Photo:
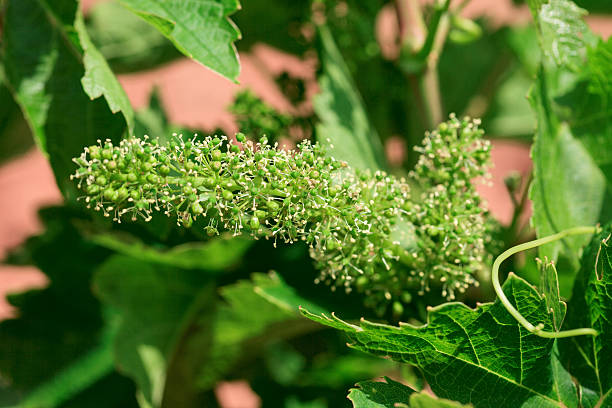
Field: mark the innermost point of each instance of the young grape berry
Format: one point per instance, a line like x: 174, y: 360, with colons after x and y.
x: 365, y: 230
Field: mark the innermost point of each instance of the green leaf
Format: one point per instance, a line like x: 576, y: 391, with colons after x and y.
x: 272, y: 288
x: 43, y: 63
x: 15, y: 135
x: 212, y: 256
x: 392, y: 394
x: 276, y: 29
x: 569, y: 185
x: 588, y: 357
x: 190, y: 352
x: 562, y: 31
x: 50, y: 333
x: 79, y: 375
x: 99, y: 80
x: 481, y: 62
x: 481, y: 356
x: 423, y: 400
x: 509, y: 114
x: 549, y: 288
x: 199, y: 29
x: 336, y: 370
x: 524, y: 43
x: 563, y: 381
x: 126, y: 41
x: 58, y: 349
x: 379, y: 394
x: 153, y: 120
x: 236, y: 319
x: 157, y: 306
x: 284, y: 363
x: 247, y: 320
x: 590, y: 106
x: 380, y: 83
x: 344, y: 128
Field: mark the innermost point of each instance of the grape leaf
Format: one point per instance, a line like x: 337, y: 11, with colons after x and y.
x: 337, y: 370
x: 562, y: 31
x: 77, y: 376
x: 56, y: 353
x: 126, y: 41
x: 213, y: 256
x: 569, y: 185
x: 156, y: 302
x: 392, y: 394
x: 379, y: 394
x: 382, y: 85
x: 99, y: 80
x: 590, y: 106
x: 587, y: 357
x: 424, y: 400
x: 173, y: 341
x: 15, y: 135
x: 238, y: 329
x: 549, y: 288
x: 277, y: 29
x: 481, y: 356
x: 153, y: 120
x: 43, y: 62
x: 199, y: 29
x: 44, y: 339
x: 344, y: 128
x: 568, y: 188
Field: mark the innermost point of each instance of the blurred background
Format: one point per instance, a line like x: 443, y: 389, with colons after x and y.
x: 171, y: 92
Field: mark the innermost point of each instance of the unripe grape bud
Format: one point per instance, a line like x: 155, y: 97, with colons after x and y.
x: 94, y: 152
x: 366, y: 232
x: 164, y: 170
x: 110, y: 194
x: 101, y: 181
x: 196, y: 209
x: 227, y: 195
x: 107, y: 154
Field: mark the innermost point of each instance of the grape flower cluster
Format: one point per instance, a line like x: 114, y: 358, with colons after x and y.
x: 367, y: 231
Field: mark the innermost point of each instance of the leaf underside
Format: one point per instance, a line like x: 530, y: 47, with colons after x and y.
x: 200, y: 29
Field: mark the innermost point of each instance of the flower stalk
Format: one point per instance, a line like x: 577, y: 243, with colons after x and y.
x: 366, y: 230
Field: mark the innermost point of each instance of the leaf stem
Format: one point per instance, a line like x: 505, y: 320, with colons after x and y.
x: 537, y: 330
x: 436, y: 23
x: 430, y: 53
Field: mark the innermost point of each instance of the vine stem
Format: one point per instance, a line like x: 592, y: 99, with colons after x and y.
x: 537, y: 330
x: 430, y: 53
x: 410, y: 22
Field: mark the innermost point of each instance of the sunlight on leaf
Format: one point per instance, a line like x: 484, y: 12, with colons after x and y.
x: 199, y: 29
x: 344, y: 128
